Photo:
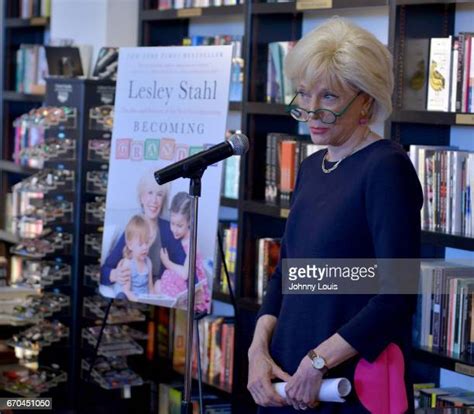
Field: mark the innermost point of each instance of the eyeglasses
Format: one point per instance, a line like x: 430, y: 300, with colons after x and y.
x: 326, y: 116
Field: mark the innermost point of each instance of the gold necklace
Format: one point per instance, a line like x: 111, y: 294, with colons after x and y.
x: 328, y: 170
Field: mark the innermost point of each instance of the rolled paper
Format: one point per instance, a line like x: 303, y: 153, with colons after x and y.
x: 332, y: 389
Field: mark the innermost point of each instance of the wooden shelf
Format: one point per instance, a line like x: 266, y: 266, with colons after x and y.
x: 461, y: 364
x: 434, y: 118
x: 174, y: 14
x: 263, y: 108
x: 260, y: 207
x: 7, y: 237
x: 249, y: 304
x: 17, y: 22
x: 229, y: 202
x: 221, y: 297
x: 291, y: 7
x: 22, y: 97
x: 447, y: 240
x: 11, y: 167
x: 235, y: 106
x: 428, y: 2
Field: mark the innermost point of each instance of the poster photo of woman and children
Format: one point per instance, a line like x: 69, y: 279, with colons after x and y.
x: 170, y: 103
x: 145, y: 257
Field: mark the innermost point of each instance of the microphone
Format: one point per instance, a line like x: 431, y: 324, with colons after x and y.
x: 237, y: 144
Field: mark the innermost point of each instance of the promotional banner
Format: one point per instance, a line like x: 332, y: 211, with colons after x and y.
x: 170, y: 103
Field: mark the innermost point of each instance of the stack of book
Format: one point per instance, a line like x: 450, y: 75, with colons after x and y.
x: 439, y: 74
x: 31, y: 69
x: 444, y: 317
x: 279, y: 89
x: 182, y: 4
x: 447, y: 177
x: 283, y: 157
x: 268, y: 253
x: 27, y: 9
x: 216, y: 349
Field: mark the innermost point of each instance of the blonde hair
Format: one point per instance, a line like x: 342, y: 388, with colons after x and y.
x: 136, y: 227
x: 148, y: 179
x: 341, y: 52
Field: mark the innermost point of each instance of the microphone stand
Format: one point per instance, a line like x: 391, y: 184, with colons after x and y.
x: 195, y: 193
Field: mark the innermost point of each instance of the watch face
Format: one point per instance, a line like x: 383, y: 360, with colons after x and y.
x: 318, y: 363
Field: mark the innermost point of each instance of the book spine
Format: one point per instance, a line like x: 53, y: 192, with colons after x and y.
x: 460, y: 74
x: 466, y: 71
x: 439, y: 77
x: 287, y: 167
x: 454, y: 74
x: 436, y: 309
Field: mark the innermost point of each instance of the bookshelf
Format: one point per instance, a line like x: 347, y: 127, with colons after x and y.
x: 269, y: 22
x: 263, y: 23
x: 15, y: 31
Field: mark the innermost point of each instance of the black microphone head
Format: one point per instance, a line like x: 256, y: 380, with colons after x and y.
x: 240, y: 143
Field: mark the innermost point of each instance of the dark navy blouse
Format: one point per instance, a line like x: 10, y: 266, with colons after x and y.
x: 368, y: 207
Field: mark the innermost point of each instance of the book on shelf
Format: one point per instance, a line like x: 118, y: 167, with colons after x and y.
x: 182, y: 4
x: 284, y: 154
x: 447, y: 178
x: 439, y: 74
x: 229, y: 234
x: 443, y: 397
x: 268, y: 253
x: 26, y: 9
x: 31, y: 69
x: 237, y: 67
x: 279, y: 88
x: 416, y: 74
x: 231, y: 174
x: 216, y: 340
x: 444, y: 315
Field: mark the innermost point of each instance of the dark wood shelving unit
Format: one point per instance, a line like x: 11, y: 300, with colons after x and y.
x: 433, y: 118
x: 462, y: 364
x: 22, y: 97
x: 249, y: 304
x: 447, y: 240
x: 292, y: 7
x: 16, y: 22
x: 11, y: 167
x: 222, y: 297
x: 195, y: 12
x: 264, y: 209
x: 235, y: 106
x: 229, y: 202
x: 262, y: 108
x: 428, y: 2
x: 7, y: 237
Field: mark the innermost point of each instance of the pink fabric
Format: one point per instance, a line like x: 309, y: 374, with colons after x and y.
x: 172, y: 284
x: 380, y: 385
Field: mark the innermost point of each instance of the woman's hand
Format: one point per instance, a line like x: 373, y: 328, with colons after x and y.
x: 262, y: 369
x: 303, y: 387
x: 165, y: 258
x: 121, y: 274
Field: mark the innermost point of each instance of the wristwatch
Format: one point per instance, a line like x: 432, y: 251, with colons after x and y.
x: 317, y: 361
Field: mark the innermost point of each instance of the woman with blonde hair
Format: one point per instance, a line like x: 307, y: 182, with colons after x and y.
x: 153, y: 202
x: 359, y: 198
